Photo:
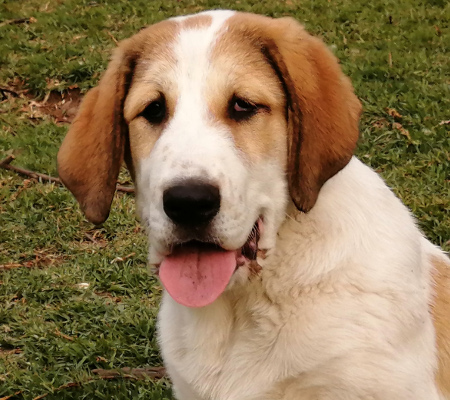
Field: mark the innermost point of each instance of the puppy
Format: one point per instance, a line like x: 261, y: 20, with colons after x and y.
x: 291, y: 271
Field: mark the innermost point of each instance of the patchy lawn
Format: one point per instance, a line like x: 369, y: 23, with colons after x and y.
x: 74, y: 298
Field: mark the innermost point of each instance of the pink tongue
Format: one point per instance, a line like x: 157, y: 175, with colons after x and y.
x: 195, y: 277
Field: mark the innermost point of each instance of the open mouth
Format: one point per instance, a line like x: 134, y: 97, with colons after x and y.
x: 196, y: 273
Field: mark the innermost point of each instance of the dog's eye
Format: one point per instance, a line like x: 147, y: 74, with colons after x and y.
x: 155, y: 112
x: 243, y: 106
x: 240, y: 109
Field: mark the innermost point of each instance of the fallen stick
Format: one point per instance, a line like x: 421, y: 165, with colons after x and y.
x: 62, y: 387
x: 106, y: 374
x: 113, y: 38
x: 15, y: 93
x: 131, y: 373
x: 11, y: 395
x: 8, y: 267
x: 17, y: 21
x: 60, y: 334
x: 6, y: 164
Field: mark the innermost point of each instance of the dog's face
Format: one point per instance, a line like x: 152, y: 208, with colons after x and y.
x: 220, y: 117
x: 207, y: 134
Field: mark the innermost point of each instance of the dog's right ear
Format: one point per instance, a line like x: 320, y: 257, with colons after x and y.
x: 323, y: 110
x: 91, y: 154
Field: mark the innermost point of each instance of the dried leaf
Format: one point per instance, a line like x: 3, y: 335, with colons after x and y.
x: 393, y: 113
x: 380, y: 123
x: 120, y: 259
x: 402, y: 130
x: 82, y: 285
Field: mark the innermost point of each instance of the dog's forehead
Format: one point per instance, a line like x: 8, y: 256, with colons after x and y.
x: 188, y: 40
x: 195, y: 42
x: 208, y: 20
x: 207, y: 52
x: 221, y: 33
x: 171, y: 49
x: 180, y: 39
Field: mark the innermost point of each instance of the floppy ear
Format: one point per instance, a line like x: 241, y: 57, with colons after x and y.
x: 91, y: 154
x: 323, y: 111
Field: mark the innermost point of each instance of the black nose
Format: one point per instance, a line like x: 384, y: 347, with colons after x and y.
x: 191, y: 203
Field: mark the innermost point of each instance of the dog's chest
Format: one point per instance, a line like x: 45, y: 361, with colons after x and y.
x: 220, y: 355
x: 224, y: 354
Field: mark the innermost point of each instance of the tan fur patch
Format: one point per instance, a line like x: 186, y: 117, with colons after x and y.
x: 441, y: 315
x: 148, y: 83
x: 196, y: 22
x: 91, y: 154
x: 323, y: 110
x: 240, y: 70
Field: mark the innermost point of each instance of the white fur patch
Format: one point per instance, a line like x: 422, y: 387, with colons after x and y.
x: 342, y: 306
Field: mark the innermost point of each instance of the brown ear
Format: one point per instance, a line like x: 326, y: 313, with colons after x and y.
x: 323, y: 111
x: 91, y: 154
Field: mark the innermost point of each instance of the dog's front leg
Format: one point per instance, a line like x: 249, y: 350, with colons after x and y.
x: 182, y: 390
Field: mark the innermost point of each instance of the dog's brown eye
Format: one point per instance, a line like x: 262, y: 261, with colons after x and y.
x: 155, y: 112
x: 243, y: 106
x: 240, y: 109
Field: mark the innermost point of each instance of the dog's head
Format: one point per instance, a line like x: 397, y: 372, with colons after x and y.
x: 220, y: 117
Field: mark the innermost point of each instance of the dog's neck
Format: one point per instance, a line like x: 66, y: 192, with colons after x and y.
x: 293, y: 263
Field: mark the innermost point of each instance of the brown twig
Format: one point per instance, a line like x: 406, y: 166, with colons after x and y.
x: 113, y: 38
x: 62, y: 387
x: 124, y: 373
x: 6, y: 164
x: 121, y: 259
x: 131, y: 373
x: 8, y: 352
x: 125, y: 189
x: 17, y: 21
x: 9, y: 90
x: 60, y: 334
x: 9, y: 266
x: 11, y: 395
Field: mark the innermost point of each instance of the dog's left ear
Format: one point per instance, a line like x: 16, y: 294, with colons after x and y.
x: 323, y: 111
x: 91, y: 154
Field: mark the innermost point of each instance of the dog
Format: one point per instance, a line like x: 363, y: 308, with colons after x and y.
x: 291, y: 271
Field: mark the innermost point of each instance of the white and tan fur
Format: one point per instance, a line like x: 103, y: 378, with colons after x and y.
x: 345, y: 306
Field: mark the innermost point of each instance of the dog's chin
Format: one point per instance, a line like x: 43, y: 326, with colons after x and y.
x: 196, y: 273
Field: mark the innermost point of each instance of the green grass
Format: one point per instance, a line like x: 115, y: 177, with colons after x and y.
x: 52, y: 331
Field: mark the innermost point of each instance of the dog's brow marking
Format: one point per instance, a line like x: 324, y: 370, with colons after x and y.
x: 193, y: 54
